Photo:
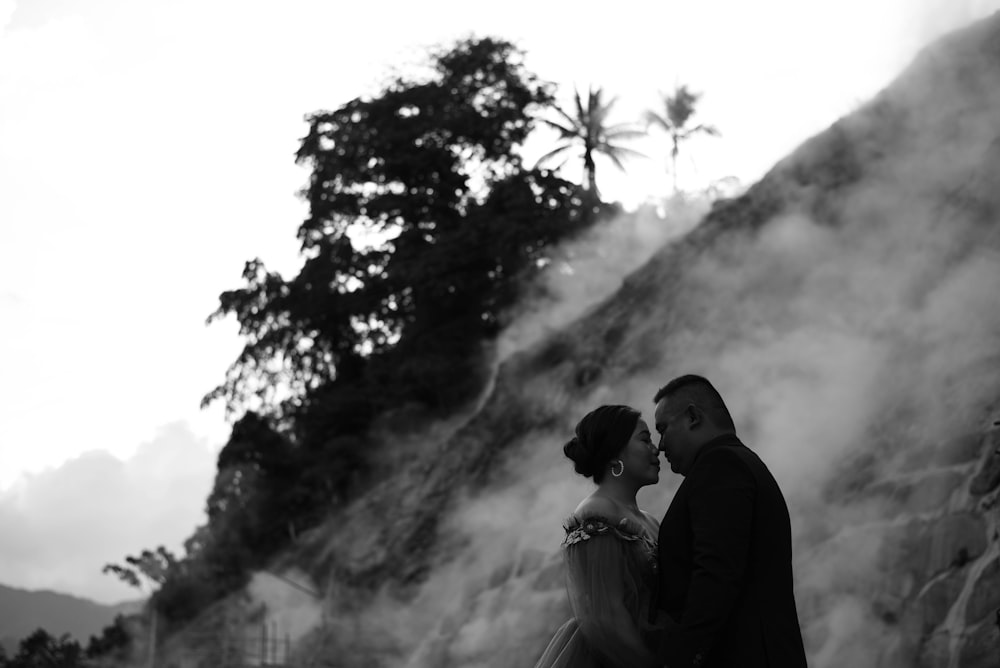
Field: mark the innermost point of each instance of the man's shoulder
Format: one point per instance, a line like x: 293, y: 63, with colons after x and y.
x: 725, y: 465
x: 730, y: 460
x: 727, y: 453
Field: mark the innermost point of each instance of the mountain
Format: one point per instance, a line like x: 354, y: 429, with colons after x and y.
x: 846, y: 306
x: 22, y: 611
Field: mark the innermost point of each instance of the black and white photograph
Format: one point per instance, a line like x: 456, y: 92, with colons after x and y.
x: 521, y: 335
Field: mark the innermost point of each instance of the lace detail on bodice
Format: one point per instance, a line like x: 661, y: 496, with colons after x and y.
x: 579, y: 529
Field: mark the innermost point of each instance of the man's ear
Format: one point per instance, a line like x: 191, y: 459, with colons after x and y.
x: 694, y: 416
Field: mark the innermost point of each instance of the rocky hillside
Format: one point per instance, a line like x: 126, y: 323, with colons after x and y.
x: 846, y: 306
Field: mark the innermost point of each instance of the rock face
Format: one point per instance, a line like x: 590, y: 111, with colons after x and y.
x: 846, y: 307
x: 988, y: 478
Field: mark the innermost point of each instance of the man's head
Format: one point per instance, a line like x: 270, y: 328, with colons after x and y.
x: 689, y: 413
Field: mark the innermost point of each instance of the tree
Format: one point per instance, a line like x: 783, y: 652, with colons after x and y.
x: 431, y: 165
x: 678, y: 110
x: 113, y: 643
x: 42, y: 650
x: 259, y: 496
x: 412, y: 163
x: 587, y: 127
x: 422, y: 163
x: 153, y: 565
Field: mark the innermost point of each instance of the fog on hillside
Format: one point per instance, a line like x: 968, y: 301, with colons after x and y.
x: 855, y: 336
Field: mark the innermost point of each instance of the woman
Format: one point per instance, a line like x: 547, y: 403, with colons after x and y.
x: 610, y: 547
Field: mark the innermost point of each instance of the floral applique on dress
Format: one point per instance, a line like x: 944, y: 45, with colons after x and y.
x: 583, y: 529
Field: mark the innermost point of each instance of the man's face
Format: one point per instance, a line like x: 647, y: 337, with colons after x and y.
x: 677, y: 443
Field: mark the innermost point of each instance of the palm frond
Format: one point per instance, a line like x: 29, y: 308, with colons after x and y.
x: 709, y: 130
x: 616, y: 160
x: 681, y: 105
x: 624, y: 131
x: 605, y: 108
x: 566, y: 132
x: 580, y: 113
x: 564, y: 161
x: 553, y: 153
x: 593, y: 100
x: 623, y: 152
x: 653, y: 118
x: 572, y: 120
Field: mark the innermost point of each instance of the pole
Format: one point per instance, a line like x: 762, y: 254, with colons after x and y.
x: 274, y: 642
x: 152, y: 634
x: 293, y: 583
x: 263, y: 642
x: 997, y: 620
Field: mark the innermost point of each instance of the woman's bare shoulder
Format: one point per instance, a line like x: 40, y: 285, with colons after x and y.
x: 599, y: 506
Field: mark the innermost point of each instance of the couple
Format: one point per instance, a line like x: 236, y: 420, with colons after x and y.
x: 710, y: 585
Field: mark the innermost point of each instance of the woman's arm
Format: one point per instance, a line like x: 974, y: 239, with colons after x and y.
x: 603, y: 586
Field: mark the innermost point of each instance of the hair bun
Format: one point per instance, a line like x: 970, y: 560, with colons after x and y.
x: 583, y: 459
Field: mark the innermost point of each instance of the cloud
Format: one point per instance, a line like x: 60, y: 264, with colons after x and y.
x: 62, y: 525
x: 7, y: 9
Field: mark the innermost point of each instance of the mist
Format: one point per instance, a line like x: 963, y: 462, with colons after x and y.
x: 587, y: 270
x: 855, y: 337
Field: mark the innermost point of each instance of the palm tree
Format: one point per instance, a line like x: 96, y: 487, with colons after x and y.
x: 679, y: 107
x: 588, y: 126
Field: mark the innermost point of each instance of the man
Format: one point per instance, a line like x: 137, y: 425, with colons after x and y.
x: 725, y: 543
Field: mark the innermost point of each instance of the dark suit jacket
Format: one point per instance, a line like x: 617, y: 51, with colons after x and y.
x: 725, y: 566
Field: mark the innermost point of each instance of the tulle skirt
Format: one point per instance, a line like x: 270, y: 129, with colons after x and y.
x: 567, y: 649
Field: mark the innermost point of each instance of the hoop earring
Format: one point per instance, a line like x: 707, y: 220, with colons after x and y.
x: 620, y: 471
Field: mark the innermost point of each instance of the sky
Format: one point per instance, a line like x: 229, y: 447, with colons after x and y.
x: 146, y: 153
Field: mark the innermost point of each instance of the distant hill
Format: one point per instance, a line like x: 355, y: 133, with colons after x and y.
x: 22, y: 611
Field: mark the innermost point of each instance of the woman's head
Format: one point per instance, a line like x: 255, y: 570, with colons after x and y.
x: 614, y: 439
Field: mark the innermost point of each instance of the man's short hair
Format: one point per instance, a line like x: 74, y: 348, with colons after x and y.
x: 699, y: 391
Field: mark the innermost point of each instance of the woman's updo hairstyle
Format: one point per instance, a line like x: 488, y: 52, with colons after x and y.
x: 600, y: 436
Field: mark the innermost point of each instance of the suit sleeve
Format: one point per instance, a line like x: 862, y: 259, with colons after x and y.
x: 721, y: 515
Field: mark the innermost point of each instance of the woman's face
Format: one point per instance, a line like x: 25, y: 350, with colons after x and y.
x: 640, y: 456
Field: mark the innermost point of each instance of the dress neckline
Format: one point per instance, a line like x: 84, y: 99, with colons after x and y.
x: 625, y: 527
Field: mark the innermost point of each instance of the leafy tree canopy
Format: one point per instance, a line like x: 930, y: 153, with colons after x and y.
x: 423, y: 229
x: 429, y: 165
x: 151, y: 565
x: 113, y: 643
x: 42, y: 650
